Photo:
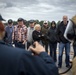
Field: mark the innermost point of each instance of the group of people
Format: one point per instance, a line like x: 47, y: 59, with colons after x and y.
x: 23, y: 36
x: 35, y: 60
x: 47, y: 35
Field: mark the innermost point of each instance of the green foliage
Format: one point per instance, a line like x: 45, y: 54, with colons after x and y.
x: 58, y: 23
x: 41, y: 23
x: 36, y: 21
x: 14, y: 22
x: 49, y: 23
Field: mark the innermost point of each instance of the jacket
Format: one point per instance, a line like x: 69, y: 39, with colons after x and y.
x: 16, y: 61
x: 44, y: 31
x: 60, y: 33
x: 52, y: 35
x: 36, y: 36
x: 9, y: 32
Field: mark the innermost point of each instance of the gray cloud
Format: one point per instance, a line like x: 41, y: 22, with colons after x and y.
x: 37, y: 9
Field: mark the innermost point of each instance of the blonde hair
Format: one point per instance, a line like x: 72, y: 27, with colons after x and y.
x: 37, y: 26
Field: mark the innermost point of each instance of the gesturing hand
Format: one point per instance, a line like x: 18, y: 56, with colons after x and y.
x: 37, y: 49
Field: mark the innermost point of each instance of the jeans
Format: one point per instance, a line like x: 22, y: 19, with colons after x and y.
x: 53, y: 47
x: 19, y: 45
x: 67, y: 53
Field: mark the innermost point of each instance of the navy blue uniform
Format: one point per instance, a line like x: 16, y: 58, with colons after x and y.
x: 15, y: 61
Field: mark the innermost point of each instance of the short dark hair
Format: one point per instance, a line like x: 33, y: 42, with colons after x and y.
x: 20, y: 19
x: 31, y: 21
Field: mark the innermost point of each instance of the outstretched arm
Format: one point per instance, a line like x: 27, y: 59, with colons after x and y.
x: 39, y: 64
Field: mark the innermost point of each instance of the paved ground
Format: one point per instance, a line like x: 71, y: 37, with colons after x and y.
x: 64, y: 67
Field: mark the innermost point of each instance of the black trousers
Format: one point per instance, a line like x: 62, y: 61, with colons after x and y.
x: 29, y: 44
x: 45, y: 44
x: 53, y: 47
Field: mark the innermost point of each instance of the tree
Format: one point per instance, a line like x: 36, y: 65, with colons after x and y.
x: 58, y: 23
x: 36, y: 21
x: 41, y: 23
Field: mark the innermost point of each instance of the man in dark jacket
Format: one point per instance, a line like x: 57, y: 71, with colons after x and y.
x: 16, y: 61
x: 63, y: 43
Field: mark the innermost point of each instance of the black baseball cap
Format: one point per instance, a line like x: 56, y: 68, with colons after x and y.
x: 10, y: 21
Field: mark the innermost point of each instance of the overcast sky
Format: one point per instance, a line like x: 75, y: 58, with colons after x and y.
x: 37, y: 9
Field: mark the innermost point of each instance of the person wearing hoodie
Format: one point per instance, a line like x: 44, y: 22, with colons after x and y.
x: 52, y: 40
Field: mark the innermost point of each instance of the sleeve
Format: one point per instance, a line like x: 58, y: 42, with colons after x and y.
x: 58, y: 33
x: 6, y: 35
x: 37, y: 65
x: 25, y: 33
x: 13, y: 35
x: 48, y: 32
x: 35, y: 36
x: 47, y: 35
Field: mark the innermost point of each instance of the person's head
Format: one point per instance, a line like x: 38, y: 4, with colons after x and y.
x: 37, y: 27
x: 2, y: 30
x: 10, y: 22
x: 45, y: 23
x: 53, y: 24
x: 65, y: 19
x: 20, y: 21
x: 31, y: 23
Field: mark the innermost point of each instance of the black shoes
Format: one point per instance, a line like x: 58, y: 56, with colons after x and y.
x: 68, y: 66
